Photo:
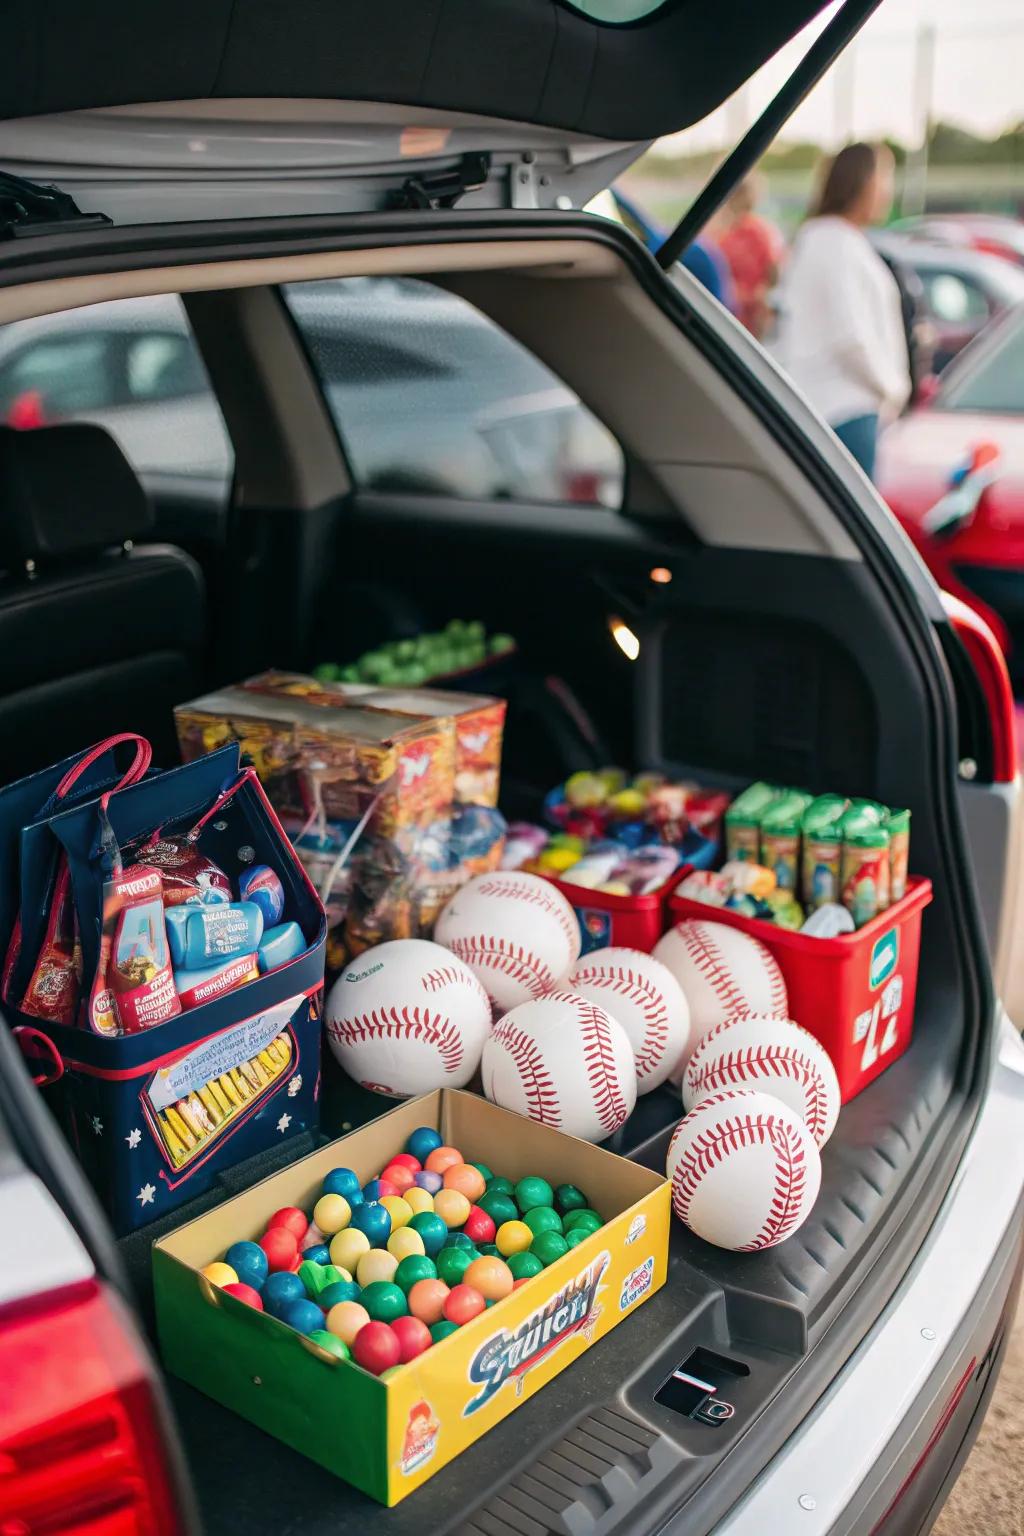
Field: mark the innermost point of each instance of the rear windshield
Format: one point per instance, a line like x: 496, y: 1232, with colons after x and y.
x: 996, y: 381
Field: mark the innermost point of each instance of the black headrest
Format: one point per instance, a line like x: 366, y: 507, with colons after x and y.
x: 65, y: 491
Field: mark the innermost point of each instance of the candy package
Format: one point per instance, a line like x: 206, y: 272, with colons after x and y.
x: 133, y: 988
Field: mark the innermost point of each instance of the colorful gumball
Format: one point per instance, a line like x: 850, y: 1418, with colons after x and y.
x: 487, y: 1174
x: 500, y: 1186
x: 384, y: 1301
x: 343, y: 1181
x: 375, y: 1266
x: 513, y: 1237
x: 281, y: 1249
x: 500, y: 1208
x: 418, y: 1200
x: 346, y: 1319
x: 246, y: 1293
x: 422, y: 1142
x: 432, y: 1230
x: 543, y: 1218
x: 316, y: 1277
x: 452, y: 1264
x: 490, y: 1251
x: 331, y: 1213
x: 399, y: 1175
x: 249, y: 1263
x: 405, y: 1243
x: 452, y: 1206
x: 406, y: 1160
x: 491, y: 1277
x: 431, y: 1182
x: 523, y: 1280
x: 469, y: 1181
x: 533, y: 1191
x: 548, y: 1247
x: 586, y: 1218
x: 478, y: 1226
x: 280, y: 1290
x: 341, y: 1290
x: 292, y: 1219
x: 576, y: 1235
x: 412, y: 1270
x: 463, y: 1304
x: 413, y: 1337
x: 376, y: 1348
x: 377, y: 1188
x: 569, y: 1198
x: 373, y: 1221
x: 220, y: 1274
x: 525, y: 1265
x: 400, y: 1211
x: 442, y: 1329
x: 348, y: 1247
x: 312, y: 1238
x: 441, y: 1159
x: 303, y: 1315
x: 328, y: 1341
x: 319, y: 1253
x: 459, y: 1240
x: 426, y: 1300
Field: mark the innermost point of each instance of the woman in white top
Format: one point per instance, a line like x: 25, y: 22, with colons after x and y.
x: 841, y: 334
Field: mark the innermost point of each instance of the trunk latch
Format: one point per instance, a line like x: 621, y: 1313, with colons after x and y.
x: 29, y: 208
x: 443, y: 189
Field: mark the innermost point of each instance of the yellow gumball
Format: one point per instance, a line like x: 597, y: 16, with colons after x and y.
x: 348, y: 1247
x: 220, y: 1274
x: 513, y: 1237
x: 400, y: 1211
x: 376, y: 1265
x: 331, y: 1214
x: 418, y: 1200
x: 404, y: 1243
x: 452, y: 1206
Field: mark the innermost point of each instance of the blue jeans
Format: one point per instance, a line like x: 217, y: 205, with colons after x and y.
x: 859, y: 437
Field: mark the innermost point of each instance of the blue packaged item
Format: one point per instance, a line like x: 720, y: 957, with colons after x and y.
x: 210, y: 981
x: 261, y: 885
x: 215, y: 933
x: 279, y: 945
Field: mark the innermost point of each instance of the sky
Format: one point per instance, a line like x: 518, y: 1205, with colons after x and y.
x: 878, y: 86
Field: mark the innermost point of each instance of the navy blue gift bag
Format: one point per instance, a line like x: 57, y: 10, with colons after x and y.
x: 157, y: 1115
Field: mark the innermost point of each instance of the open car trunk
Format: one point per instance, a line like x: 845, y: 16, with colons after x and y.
x: 792, y: 643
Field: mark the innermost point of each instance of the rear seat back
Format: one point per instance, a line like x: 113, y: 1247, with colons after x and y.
x: 99, y: 631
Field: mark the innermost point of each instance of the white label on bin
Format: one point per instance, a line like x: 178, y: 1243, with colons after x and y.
x: 877, y: 1026
x: 217, y: 1056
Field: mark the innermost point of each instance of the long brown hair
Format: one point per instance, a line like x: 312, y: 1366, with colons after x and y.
x: 844, y: 179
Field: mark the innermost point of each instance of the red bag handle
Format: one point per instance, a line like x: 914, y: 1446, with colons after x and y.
x: 26, y: 1036
x: 137, y: 770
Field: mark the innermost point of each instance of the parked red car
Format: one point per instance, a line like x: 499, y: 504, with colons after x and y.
x: 952, y: 470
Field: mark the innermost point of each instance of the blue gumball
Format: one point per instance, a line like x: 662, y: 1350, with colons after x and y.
x: 375, y: 1189
x: 249, y: 1263
x: 338, y: 1290
x: 373, y: 1220
x: 280, y: 1290
x: 422, y: 1142
x: 304, y: 1316
x: 319, y: 1253
x: 342, y: 1181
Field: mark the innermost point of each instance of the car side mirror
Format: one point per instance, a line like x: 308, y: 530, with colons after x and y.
x: 926, y: 391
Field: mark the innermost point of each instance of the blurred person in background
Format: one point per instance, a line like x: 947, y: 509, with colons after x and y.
x: 841, y: 332
x: 753, y: 249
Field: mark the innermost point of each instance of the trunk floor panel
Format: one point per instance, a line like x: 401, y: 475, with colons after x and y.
x: 556, y: 1475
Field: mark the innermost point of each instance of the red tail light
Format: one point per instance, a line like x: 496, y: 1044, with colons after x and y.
x: 26, y: 411
x: 81, y: 1444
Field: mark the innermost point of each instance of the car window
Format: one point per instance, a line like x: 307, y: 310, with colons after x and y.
x: 992, y: 381
x: 954, y: 299
x: 430, y: 396
x: 131, y: 366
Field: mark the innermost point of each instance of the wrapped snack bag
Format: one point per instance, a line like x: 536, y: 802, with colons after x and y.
x: 133, y: 988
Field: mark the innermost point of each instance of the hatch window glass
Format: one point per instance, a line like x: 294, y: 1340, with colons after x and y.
x: 995, y: 381
x: 430, y: 396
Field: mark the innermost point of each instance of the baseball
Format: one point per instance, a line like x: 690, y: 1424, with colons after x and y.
x: 515, y: 931
x: 773, y: 1056
x: 562, y: 1062
x: 644, y: 997
x: 724, y: 974
x: 407, y: 1017
x: 744, y: 1170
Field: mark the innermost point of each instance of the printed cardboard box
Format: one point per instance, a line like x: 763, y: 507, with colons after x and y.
x: 389, y: 1437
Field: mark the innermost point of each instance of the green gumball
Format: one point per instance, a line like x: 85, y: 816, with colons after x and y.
x: 329, y: 1342
x: 485, y: 1173
x: 569, y: 1198
x: 412, y: 1269
x: 442, y: 1330
x: 543, y: 1219
x: 547, y: 1247
x: 586, y: 1218
x: 452, y: 1264
x: 525, y: 1265
x: 384, y: 1301
x: 459, y: 1240
x: 490, y: 1251
x: 577, y: 1235
x: 500, y: 1208
x: 533, y: 1191
x: 500, y: 1187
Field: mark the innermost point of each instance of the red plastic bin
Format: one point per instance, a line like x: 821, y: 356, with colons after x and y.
x: 632, y: 922
x: 854, y: 993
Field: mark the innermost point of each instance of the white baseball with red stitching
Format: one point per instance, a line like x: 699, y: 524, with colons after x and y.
x: 563, y: 1062
x: 644, y: 997
x: 515, y: 931
x: 775, y: 1056
x: 724, y: 973
x: 408, y: 1017
x: 744, y: 1170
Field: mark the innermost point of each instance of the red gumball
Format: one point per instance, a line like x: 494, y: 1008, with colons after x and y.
x: 463, y: 1304
x: 244, y: 1293
x: 524, y: 1281
x: 406, y: 1160
x: 385, y: 1187
x: 397, y: 1174
x: 478, y: 1226
x: 413, y: 1337
x: 292, y: 1219
x: 376, y: 1348
x: 280, y: 1247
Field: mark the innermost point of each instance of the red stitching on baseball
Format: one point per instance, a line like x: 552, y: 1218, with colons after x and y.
x: 712, y: 1146
x: 703, y: 949
x: 642, y: 991
x: 778, y: 996
x: 734, y: 1069
x: 599, y: 1058
x: 541, y: 1094
x: 448, y: 976
x: 511, y: 959
x: 401, y: 1024
x: 548, y: 900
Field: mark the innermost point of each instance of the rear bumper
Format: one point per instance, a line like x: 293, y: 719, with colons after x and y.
x: 881, y: 1448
